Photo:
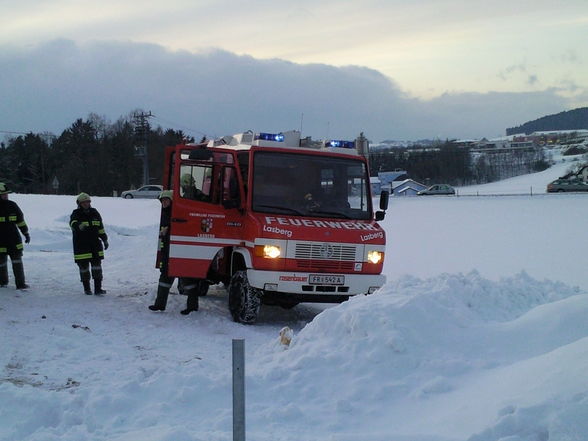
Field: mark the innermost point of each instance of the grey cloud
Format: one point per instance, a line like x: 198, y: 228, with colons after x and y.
x: 47, y: 87
x: 532, y: 79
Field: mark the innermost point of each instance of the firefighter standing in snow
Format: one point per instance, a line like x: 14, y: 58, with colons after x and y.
x: 11, y: 221
x: 190, y: 286
x: 88, y: 237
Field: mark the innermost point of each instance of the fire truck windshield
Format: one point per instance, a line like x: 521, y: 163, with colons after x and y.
x: 310, y: 186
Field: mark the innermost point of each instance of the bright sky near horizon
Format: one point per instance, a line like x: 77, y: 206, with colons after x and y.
x: 427, y: 48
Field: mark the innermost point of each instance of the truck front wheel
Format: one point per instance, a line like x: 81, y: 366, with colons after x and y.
x: 244, y: 301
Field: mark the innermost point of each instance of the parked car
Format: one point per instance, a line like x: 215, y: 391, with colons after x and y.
x: 437, y: 189
x: 146, y: 191
x: 560, y: 185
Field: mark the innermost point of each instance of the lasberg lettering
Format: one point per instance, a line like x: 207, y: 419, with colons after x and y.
x: 378, y: 235
x: 321, y: 224
x: 277, y: 230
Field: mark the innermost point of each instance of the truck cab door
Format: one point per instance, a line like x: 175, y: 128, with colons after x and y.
x: 207, y: 213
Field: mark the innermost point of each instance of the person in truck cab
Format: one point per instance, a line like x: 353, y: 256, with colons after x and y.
x: 191, y: 287
x: 190, y: 191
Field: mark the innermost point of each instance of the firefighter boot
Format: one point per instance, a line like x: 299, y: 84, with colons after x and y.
x: 3, y: 270
x: 19, y: 276
x: 98, y: 287
x: 87, y: 289
x: 97, y: 276
x: 192, y: 288
x: 162, y: 293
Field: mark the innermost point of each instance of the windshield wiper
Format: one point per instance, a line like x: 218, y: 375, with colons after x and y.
x: 277, y: 207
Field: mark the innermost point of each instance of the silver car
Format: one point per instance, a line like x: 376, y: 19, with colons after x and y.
x: 146, y: 191
x: 437, y: 189
x: 561, y: 185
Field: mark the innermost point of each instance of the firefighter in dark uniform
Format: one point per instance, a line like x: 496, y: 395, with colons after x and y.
x: 11, y: 221
x: 88, y: 239
x: 191, y: 287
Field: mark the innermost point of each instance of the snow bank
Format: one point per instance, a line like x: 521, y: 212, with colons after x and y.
x: 415, y: 342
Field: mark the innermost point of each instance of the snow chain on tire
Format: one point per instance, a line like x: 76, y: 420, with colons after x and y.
x: 244, y: 301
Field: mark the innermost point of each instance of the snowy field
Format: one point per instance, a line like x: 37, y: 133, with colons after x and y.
x: 480, y: 334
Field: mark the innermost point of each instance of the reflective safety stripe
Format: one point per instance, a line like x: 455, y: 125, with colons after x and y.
x: 11, y: 218
x: 19, y: 246
x: 96, y: 223
x: 2, y: 265
x: 101, y: 253
x: 3, y: 250
x: 82, y: 256
x: 87, y: 224
x: 17, y: 261
x: 2, y: 219
x: 101, y: 232
x: 71, y: 224
x: 84, y: 270
x: 165, y: 285
x: 189, y: 287
x: 95, y: 268
x: 21, y: 224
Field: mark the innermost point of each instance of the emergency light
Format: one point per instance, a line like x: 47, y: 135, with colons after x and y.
x: 340, y: 144
x: 278, y: 137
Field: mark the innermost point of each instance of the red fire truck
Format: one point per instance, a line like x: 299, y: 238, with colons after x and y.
x: 277, y: 218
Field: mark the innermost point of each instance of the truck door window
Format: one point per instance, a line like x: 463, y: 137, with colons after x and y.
x: 196, y: 182
x: 230, y: 188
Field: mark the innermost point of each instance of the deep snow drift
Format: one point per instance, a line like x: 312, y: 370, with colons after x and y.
x: 480, y: 334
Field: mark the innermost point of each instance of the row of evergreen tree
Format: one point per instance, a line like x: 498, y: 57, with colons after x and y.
x: 100, y: 158
x: 92, y: 155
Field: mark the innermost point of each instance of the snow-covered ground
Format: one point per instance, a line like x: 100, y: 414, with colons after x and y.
x: 480, y: 334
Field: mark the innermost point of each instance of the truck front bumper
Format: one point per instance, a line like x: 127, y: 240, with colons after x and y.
x: 305, y: 284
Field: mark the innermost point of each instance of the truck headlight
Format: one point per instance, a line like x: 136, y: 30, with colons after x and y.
x: 375, y: 256
x: 268, y: 251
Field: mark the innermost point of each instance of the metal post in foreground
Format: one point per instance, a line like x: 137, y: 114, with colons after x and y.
x: 238, y: 390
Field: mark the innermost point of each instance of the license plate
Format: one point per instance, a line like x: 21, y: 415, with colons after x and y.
x: 326, y: 279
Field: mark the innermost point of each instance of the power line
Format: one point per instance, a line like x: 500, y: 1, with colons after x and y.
x: 179, y: 126
x: 15, y: 133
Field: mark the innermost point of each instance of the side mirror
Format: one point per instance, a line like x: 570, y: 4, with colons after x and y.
x: 380, y: 215
x: 384, y: 196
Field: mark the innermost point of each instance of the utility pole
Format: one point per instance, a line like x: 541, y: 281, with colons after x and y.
x: 142, y: 136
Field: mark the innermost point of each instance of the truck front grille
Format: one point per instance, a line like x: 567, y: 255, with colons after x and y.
x: 325, y: 256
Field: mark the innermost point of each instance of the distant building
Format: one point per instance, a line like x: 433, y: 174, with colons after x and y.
x: 408, y: 187
x: 387, y: 178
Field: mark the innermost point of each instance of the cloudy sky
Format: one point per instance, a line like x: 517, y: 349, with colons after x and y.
x: 391, y: 68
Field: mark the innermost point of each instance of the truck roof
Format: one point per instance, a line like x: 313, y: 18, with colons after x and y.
x: 288, y: 140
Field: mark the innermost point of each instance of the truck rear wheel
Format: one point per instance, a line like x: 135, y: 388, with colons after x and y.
x: 244, y: 301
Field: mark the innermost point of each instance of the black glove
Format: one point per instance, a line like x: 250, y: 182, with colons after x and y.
x: 105, y: 244
x: 27, y: 238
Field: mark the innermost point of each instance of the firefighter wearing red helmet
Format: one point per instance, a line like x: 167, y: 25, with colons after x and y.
x: 89, y: 242
x: 11, y: 221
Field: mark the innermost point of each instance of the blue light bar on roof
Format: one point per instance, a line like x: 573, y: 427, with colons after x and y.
x: 341, y: 144
x: 278, y: 137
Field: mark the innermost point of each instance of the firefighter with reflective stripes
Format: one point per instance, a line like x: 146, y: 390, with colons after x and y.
x: 11, y: 221
x: 191, y: 287
x: 88, y: 239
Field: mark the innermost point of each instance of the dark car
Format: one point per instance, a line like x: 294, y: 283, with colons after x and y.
x: 560, y: 185
x: 437, y: 189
